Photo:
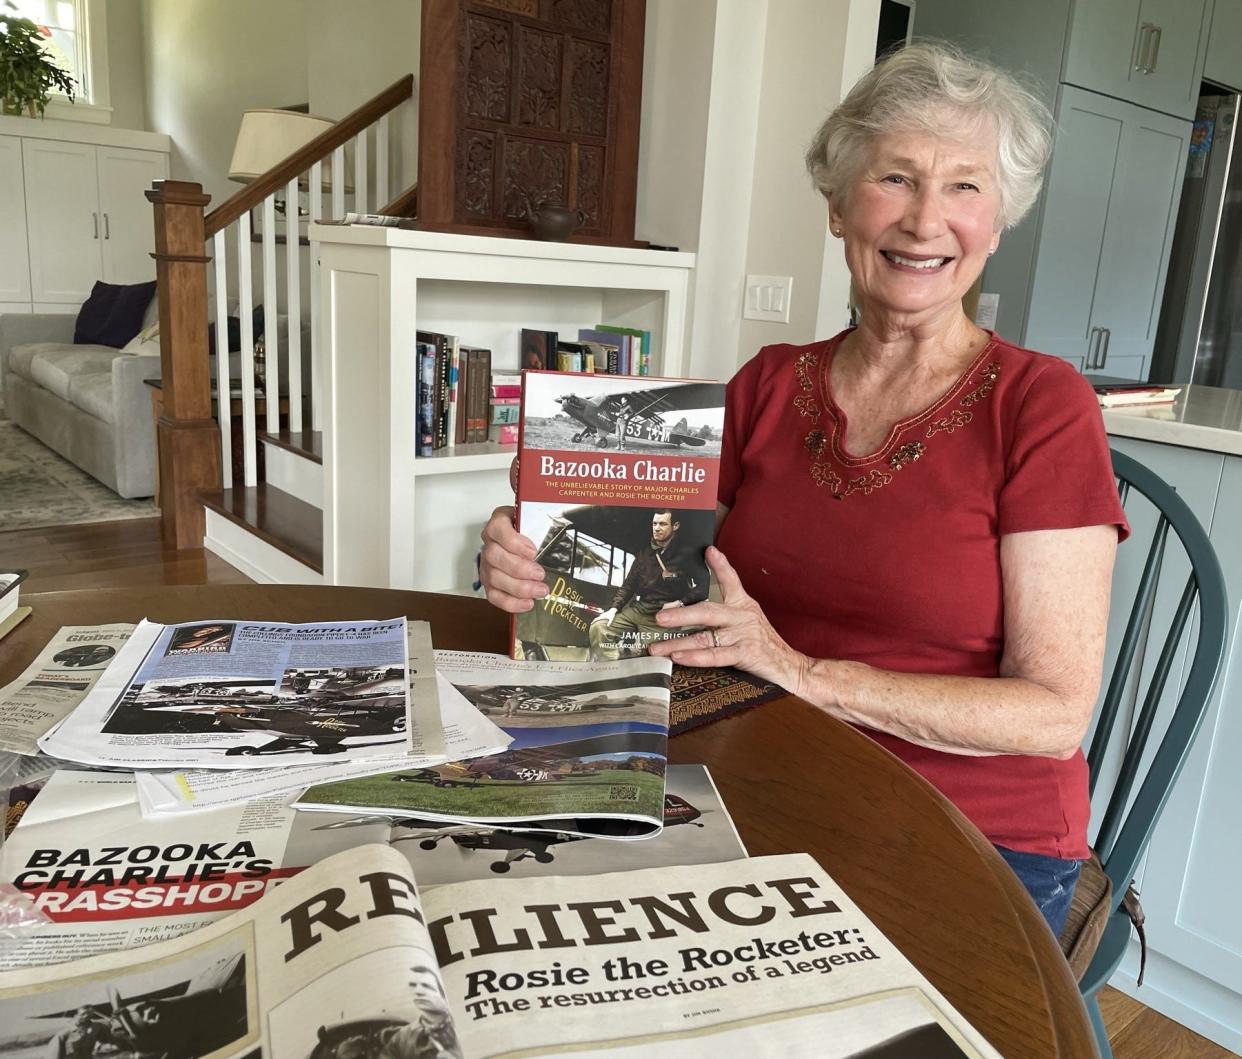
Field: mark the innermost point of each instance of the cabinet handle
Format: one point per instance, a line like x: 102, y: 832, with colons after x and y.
x: 107, y: 228
x: 1156, y: 35
x: 95, y: 222
x: 1107, y: 336
x: 1143, y: 47
x: 1093, y: 338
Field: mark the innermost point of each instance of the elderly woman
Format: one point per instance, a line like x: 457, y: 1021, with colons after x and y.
x: 920, y: 518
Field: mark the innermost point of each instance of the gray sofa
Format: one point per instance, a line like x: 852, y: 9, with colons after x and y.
x: 88, y: 403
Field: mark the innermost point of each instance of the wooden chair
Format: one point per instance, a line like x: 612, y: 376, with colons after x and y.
x: 1130, y: 817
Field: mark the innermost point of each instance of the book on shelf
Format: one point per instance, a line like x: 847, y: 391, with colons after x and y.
x: 1118, y: 395
x: 610, y: 349
x: 476, y: 392
x: 640, y: 347
x: 11, y: 612
x: 538, y: 349
x: 617, y: 488
x: 576, y: 357
x: 426, y: 398
x: 505, y: 433
x: 506, y: 410
x: 353, y: 957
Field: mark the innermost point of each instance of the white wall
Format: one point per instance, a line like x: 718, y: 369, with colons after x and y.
x: 356, y: 50
x: 126, y: 64
x: 209, y: 60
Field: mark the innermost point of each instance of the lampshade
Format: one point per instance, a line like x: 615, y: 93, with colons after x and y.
x: 267, y: 137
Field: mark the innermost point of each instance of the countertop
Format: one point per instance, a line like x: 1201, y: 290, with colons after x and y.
x: 1202, y: 417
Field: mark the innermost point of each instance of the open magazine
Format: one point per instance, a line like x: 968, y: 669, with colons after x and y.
x: 761, y: 957
x: 589, y: 741
x: 109, y: 879
x: 246, y: 694
x: 617, y: 489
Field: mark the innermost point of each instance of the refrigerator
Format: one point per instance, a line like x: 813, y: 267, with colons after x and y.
x: 1199, y: 336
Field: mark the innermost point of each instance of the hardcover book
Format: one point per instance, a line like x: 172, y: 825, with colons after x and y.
x: 617, y: 488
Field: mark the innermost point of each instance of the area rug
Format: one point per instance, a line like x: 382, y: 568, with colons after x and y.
x: 39, y: 488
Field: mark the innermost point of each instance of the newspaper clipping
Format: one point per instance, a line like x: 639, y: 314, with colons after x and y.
x: 245, y: 694
x: 55, y: 682
x: 761, y: 957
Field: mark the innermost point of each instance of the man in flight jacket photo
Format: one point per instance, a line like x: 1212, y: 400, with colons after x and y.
x: 667, y: 573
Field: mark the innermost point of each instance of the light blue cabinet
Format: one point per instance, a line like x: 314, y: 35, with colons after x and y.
x: 1148, y: 52
x: 1188, y: 882
x: 1105, y: 234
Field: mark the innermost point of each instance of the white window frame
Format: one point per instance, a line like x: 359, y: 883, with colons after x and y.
x: 93, y: 101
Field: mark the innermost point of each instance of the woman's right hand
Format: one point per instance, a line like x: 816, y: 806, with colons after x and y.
x: 511, y: 578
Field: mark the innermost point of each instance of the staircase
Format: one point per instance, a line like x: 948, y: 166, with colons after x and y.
x: 269, y: 524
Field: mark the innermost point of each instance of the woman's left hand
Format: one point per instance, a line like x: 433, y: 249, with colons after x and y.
x: 737, y: 633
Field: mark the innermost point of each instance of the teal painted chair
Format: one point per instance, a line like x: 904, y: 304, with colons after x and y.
x: 1130, y: 817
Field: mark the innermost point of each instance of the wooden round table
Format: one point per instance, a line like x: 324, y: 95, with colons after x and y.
x: 794, y: 780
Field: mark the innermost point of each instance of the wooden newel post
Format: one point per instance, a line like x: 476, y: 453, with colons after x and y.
x: 188, y: 437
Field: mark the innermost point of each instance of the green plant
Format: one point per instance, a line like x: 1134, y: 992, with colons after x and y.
x: 28, y: 75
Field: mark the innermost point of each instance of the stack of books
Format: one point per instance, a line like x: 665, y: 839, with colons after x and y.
x: 602, y: 350
x: 452, y: 392
x: 506, y: 407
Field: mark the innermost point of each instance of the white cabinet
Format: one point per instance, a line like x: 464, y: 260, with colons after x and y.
x: 14, y: 263
x: 73, y: 210
x: 389, y: 519
x: 87, y: 217
x: 1105, y: 234
x: 1149, y: 52
x: 1224, y: 51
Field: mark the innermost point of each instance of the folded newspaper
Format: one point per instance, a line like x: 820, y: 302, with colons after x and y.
x: 761, y: 957
x: 233, y: 694
x: 55, y: 682
x: 590, y: 742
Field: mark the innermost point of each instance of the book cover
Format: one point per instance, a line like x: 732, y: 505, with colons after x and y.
x: 538, y: 349
x: 617, y: 488
x: 426, y: 396
x: 476, y: 393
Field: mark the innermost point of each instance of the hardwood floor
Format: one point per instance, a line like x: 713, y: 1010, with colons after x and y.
x: 1137, y: 1032
x: 107, y: 555
x: 115, y: 554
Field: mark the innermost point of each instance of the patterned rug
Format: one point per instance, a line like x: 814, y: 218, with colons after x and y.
x: 38, y: 488
x: 701, y: 696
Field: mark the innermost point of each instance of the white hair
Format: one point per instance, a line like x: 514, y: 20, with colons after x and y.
x: 936, y: 88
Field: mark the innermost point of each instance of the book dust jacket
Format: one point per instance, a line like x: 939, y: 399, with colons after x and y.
x: 617, y: 488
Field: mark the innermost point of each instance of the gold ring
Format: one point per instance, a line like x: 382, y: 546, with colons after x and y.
x: 715, y: 638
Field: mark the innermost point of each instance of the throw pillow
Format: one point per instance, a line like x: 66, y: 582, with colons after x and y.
x: 112, y: 315
x: 234, y: 322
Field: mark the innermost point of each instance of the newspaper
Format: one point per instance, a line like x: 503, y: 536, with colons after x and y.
x: 590, y: 742
x: 233, y: 694
x: 110, y: 880
x: 466, y: 733
x: 55, y: 682
x: 761, y: 957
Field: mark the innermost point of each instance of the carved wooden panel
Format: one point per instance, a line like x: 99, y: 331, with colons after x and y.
x: 523, y: 101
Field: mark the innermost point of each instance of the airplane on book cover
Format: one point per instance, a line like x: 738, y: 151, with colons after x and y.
x: 638, y: 415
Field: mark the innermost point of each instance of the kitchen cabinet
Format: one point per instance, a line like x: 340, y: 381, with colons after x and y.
x: 1188, y: 878
x: 87, y: 217
x: 1224, y: 51
x: 1148, y: 52
x: 74, y: 210
x: 1105, y: 233
x: 14, y: 263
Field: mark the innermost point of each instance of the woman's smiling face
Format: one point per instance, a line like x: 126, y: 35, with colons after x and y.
x: 920, y: 221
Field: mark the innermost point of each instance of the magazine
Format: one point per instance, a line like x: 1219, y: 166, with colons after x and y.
x: 760, y: 957
x: 617, y: 488
x: 108, y: 879
x: 697, y: 830
x: 234, y: 694
x: 55, y: 682
x: 467, y: 733
x: 590, y: 742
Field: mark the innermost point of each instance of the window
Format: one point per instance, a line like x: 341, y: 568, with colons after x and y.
x: 65, y: 35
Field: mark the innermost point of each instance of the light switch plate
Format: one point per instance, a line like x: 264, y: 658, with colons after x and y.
x: 767, y: 298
